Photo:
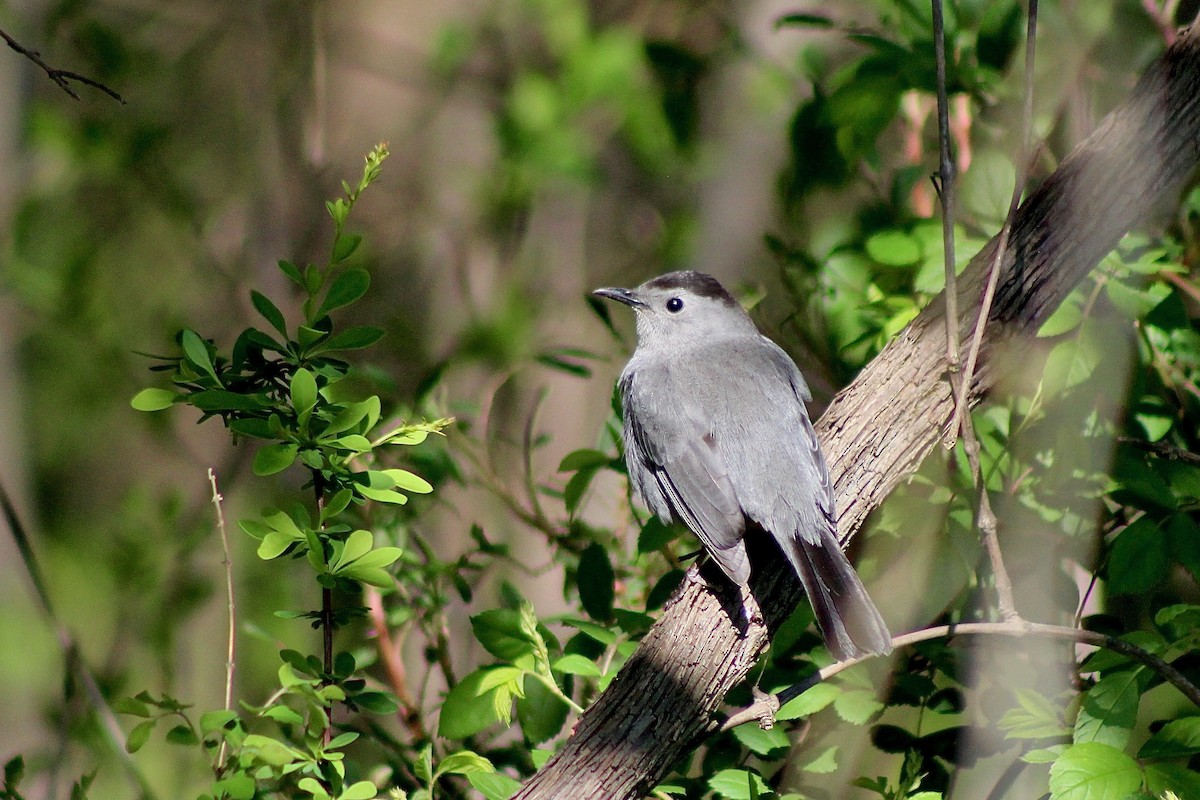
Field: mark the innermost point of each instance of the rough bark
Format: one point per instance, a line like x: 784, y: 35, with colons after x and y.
x: 880, y: 428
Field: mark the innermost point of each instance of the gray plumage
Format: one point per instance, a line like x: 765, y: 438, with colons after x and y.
x: 717, y: 436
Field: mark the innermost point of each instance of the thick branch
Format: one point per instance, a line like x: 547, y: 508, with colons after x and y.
x: 878, y: 430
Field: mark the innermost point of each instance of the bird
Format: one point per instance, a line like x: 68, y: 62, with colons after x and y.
x: 717, y: 436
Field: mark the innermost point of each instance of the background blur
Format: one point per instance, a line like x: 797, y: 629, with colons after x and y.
x: 540, y: 148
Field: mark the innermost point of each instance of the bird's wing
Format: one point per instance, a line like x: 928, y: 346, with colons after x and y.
x: 774, y: 459
x: 676, y: 466
x: 783, y: 484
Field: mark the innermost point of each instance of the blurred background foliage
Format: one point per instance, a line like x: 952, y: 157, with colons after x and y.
x: 541, y: 148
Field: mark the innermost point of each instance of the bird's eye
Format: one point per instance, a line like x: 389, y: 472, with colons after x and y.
x: 674, y: 305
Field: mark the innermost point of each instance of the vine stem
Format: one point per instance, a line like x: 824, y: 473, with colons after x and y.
x: 761, y: 710
x: 227, y: 562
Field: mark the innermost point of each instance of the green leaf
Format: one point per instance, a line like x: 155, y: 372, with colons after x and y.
x: 377, y: 702
x: 347, y: 287
x: 355, y: 338
x: 354, y: 442
x: 604, y: 636
x: 182, y: 734
x: 139, y: 735
x: 274, y: 458
x: 810, y: 702
x: 196, y: 352
x: 738, y: 784
x: 1093, y: 771
x: 1037, y: 718
x: 408, y: 481
x: 1183, y: 783
x: 238, y: 786
x: 345, y: 246
x: 579, y: 459
x: 357, y: 545
x: 542, y: 713
x: 1109, y: 710
x: 1179, y: 738
x: 270, y: 751
x: 303, y: 391
x: 153, y: 399
x: 289, y: 269
x: 893, y: 248
x: 826, y: 763
x: 502, y: 633
x: 464, y: 762
x: 494, y: 785
x: 284, y: 715
x: 1140, y: 558
x: 131, y: 706
x: 763, y: 742
x: 471, y: 706
x: 857, y: 706
x: 211, y: 721
x: 313, y: 788
x: 222, y: 400
x: 362, y: 790
x: 1065, y: 318
x: 1072, y: 361
x: 596, y: 579
x: 576, y: 487
x: 655, y: 535
x: 381, y: 495
x: 575, y: 664
x: 269, y: 312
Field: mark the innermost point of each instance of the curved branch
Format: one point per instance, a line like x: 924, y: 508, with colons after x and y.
x: 764, y: 709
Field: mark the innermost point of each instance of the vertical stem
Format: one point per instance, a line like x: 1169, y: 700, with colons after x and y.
x: 946, y: 194
x: 227, y: 561
x: 326, y: 614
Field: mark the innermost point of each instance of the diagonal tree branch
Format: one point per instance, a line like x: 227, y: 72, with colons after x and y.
x: 880, y: 428
x: 62, y: 77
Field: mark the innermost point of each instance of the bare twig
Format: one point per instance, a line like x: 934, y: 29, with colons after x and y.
x: 761, y: 709
x: 1163, y: 450
x: 227, y: 562
x: 62, y: 77
x: 961, y: 420
x: 945, y: 187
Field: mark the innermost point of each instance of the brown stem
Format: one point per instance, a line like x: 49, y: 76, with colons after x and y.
x: 762, y: 709
x: 946, y: 175
x: 62, y: 77
x: 393, y: 664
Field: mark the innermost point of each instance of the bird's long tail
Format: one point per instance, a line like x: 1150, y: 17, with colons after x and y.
x: 846, y: 615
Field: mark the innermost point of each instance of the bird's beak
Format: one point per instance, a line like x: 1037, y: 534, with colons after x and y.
x: 627, y: 296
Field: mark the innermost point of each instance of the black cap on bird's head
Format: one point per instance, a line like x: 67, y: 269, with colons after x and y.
x: 684, y: 281
x: 682, y: 306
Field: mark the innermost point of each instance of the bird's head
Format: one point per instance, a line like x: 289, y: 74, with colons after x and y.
x: 680, y: 308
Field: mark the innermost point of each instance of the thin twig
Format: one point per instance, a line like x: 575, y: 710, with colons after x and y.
x: 227, y: 562
x: 961, y: 419
x: 1177, y: 280
x: 1162, y: 450
x: 62, y: 77
x: 945, y: 187
x: 759, y: 710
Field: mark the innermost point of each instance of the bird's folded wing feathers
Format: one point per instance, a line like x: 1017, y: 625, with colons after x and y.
x: 686, y: 470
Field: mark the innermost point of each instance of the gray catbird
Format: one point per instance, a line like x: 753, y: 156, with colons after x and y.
x: 718, y: 437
